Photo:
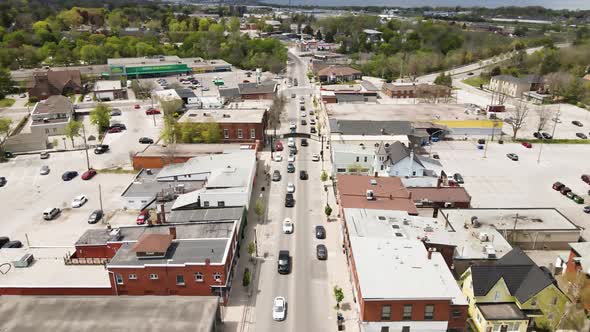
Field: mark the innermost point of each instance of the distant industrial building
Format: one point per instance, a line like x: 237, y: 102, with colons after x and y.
x: 163, y: 66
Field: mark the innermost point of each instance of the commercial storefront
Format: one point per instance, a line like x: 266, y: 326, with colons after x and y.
x: 148, y: 70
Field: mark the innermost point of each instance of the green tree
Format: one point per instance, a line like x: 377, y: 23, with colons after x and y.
x: 338, y: 295
x: 233, y: 25
x: 72, y: 129
x: 4, y: 129
x: 171, y: 130
x: 328, y: 210
x: 6, y: 82
x: 251, y: 249
x: 204, y: 24
x: 247, y: 277
x: 259, y: 208
x: 444, y: 79
x: 117, y: 20
x: 308, y: 30
x: 100, y: 116
x: 70, y: 18
x: 324, y: 176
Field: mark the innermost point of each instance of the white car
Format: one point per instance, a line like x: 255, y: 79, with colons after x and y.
x: 291, y: 142
x: 290, y: 188
x: 279, y: 308
x: 312, y: 121
x: 87, y: 98
x: 79, y: 201
x: 315, y: 157
x: 291, y: 158
x: 292, y: 126
x: 278, y: 157
x: 287, y: 226
x: 303, y: 114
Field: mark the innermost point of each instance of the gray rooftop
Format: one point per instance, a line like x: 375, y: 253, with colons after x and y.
x: 180, y: 216
x: 147, y: 185
x: 501, y: 311
x: 543, y: 219
x: 54, y: 105
x: 229, y: 92
x: 364, y: 127
x: 254, y: 88
x: 185, y: 93
x: 401, y: 112
x: 108, y: 313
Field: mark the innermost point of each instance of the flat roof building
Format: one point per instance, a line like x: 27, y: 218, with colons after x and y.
x: 160, y: 65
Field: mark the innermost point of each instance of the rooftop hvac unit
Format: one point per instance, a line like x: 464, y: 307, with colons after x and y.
x: 448, y: 204
x: 25, y: 261
x: 406, y: 221
x: 373, y: 182
x: 370, y: 195
x: 490, y: 251
x: 115, y: 235
x: 483, y: 237
x: 428, y: 228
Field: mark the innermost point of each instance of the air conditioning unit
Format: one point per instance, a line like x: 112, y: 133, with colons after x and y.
x: 428, y: 228
x: 490, y: 251
x: 370, y: 195
x: 483, y: 237
x: 25, y: 261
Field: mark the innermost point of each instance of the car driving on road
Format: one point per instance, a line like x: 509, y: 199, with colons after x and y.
x: 287, y: 226
x: 279, y: 308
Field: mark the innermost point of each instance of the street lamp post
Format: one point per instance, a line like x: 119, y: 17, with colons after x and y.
x: 85, y: 147
x: 556, y: 119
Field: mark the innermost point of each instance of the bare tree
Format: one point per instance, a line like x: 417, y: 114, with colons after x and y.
x: 517, y: 117
x: 276, y: 111
x: 571, y: 315
x: 543, y: 114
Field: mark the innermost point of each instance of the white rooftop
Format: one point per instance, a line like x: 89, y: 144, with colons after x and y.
x: 107, y: 85
x: 397, y: 269
x: 49, y: 270
x: 224, y: 115
x: 166, y: 95
x: 204, y: 165
x: 548, y: 219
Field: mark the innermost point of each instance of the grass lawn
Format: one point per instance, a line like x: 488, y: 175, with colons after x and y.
x: 6, y: 102
x: 555, y: 141
x: 476, y: 81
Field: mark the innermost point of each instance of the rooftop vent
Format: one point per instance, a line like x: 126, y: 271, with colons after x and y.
x: 428, y: 228
x: 370, y: 195
x: 483, y: 237
x: 399, y: 235
x: 381, y: 217
x: 24, y: 261
x: 226, y: 115
x: 373, y: 182
x: 115, y: 235
x: 406, y: 221
x: 490, y: 251
x: 395, y: 226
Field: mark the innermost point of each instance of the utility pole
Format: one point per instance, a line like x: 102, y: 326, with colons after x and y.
x: 555, y: 119
x: 85, y: 147
x: 100, y: 196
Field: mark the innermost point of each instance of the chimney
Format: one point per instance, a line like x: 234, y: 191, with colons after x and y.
x: 376, y: 174
x: 390, y: 197
x: 173, y: 232
x: 163, y: 214
x: 411, y: 161
x: 430, y: 251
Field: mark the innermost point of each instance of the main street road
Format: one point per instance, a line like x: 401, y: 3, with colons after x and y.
x: 307, y: 287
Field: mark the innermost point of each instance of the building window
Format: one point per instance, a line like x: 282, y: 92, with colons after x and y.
x: 365, y: 158
x: 119, y: 278
x: 217, y: 276
x: 55, y: 130
x: 221, y: 204
x: 384, y: 328
x: 381, y: 167
x: 429, y: 312
x: 180, y: 279
x: 357, y: 159
x: 225, y: 133
x: 206, y: 203
x: 240, y: 133
x: 341, y: 170
x: 456, y: 313
x: 385, y: 312
x: 132, y: 276
x: 154, y: 276
x: 198, y: 277
x: 497, y: 296
x: 405, y: 329
x: 252, y: 133
x: 407, y: 312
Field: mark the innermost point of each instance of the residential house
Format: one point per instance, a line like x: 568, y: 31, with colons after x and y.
x: 253, y: 90
x: 50, y: 116
x: 50, y: 83
x: 515, y: 86
x: 512, y: 294
x: 400, y: 160
x: 227, y: 95
x: 373, y: 36
x: 338, y: 74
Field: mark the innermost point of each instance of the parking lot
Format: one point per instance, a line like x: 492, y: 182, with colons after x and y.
x: 496, y: 181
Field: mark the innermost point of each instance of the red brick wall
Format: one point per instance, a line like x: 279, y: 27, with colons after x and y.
x: 458, y: 322
x: 98, y: 251
x: 258, y: 96
x: 246, y: 127
x: 372, y: 310
x: 156, y: 162
x: 571, y: 265
x: 57, y: 291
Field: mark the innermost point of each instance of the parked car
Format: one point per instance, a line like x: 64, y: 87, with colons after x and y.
x: 303, y: 122
x: 570, y: 194
x: 546, y: 135
x: 512, y: 156
x: 558, y: 186
x: 51, y: 213
x: 585, y: 178
x: 290, y: 168
x: 89, y: 174
x: 115, y: 112
x: 95, y: 216
x: 312, y: 130
x: 279, y: 308
x: 68, y: 175
x: 13, y: 244
x: 321, y: 252
x: 289, y: 200
x: 315, y: 157
x: 290, y: 142
x: 320, y: 232
x: 101, y: 148
x: 277, y: 157
x: 565, y: 190
x: 577, y: 123
x: 290, y: 187
x: 458, y: 178
x: 143, y: 217
x: 276, y: 175
x: 291, y: 158
x: 527, y: 145
x: 152, y: 111
x: 284, y: 262
x: 587, y: 208
x: 114, y: 130
x: 581, y: 135
x: 303, y: 175
x: 578, y: 199
x: 287, y: 226
x: 146, y: 140
x: 312, y: 120
x: 537, y: 135
x: 119, y: 125
x: 2, y: 181
x: 293, y: 150
x: 79, y: 201
x: 44, y: 170
x: 4, y: 240
x: 137, y: 107
x: 304, y: 141
x: 279, y: 146
x: 44, y: 155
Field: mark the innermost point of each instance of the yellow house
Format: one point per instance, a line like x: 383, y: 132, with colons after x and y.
x: 511, y: 295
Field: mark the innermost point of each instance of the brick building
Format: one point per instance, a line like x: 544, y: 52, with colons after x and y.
x: 335, y: 74
x: 413, y: 90
x: 236, y: 125
x: 252, y: 90
x: 51, y: 83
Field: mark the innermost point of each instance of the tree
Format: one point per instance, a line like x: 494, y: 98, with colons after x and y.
x: 100, y: 116
x: 275, y: 112
x: 495, y: 71
x: 543, y: 115
x: 571, y: 315
x: 308, y: 30
x: 328, y: 210
x: 318, y: 35
x: 251, y: 249
x: 516, y: 118
x: 4, y: 129
x: 72, y: 129
x: 170, y: 131
x: 259, y: 208
x: 6, y: 82
x: 247, y: 277
x: 338, y: 295
x: 324, y: 176
x: 444, y: 79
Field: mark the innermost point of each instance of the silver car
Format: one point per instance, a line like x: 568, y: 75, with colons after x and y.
x: 44, y: 170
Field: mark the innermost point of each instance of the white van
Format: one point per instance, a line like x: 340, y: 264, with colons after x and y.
x: 291, y: 142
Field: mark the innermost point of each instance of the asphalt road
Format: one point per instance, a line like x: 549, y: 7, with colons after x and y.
x: 306, y: 288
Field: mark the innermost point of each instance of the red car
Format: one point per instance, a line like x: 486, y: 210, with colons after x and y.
x: 114, y: 130
x: 245, y: 81
x: 279, y: 146
x: 152, y: 111
x: 586, y: 178
x: 89, y: 174
x: 527, y: 145
x: 137, y: 107
x: 143, y: 217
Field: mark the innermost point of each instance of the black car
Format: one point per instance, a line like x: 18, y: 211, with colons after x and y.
x: 289, y: 200
x: 284, y: 261
x: 304, y: 142
x: 303, y: 122
x: 95, y: 216
x: 303, y: 175
x: 101, y: 148
x: 546, y: 135
x: 577, y: 123
x: 321, y: 252
x: 4, y: 240
x: 68, y: 175
x: 537, y: 135
x: 312, y: 130
x: 587, y: 209
x: 458, y: 178
x: 146, y: 140
x: 581, y: 135
x: 2, y: 181
x: 118, y: 125
x: 276, y: 175
x: 290, y: 168
x: 320, y: 232
x: 115, y: 112
x: 13, y: 244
